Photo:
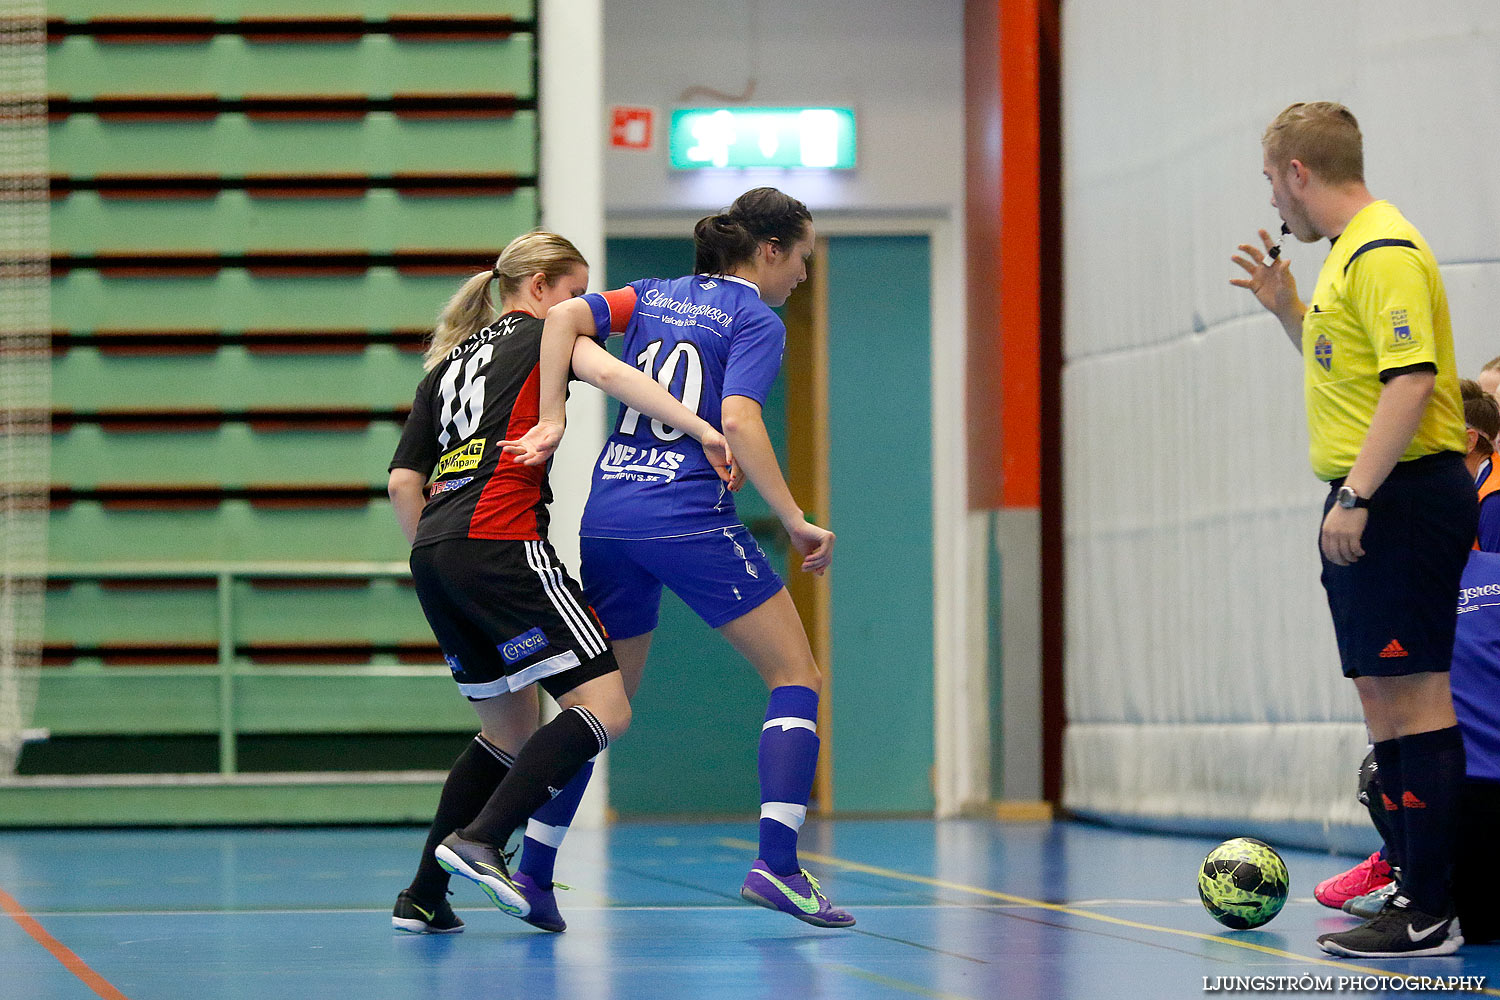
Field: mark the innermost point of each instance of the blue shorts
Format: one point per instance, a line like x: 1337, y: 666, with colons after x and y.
x: 721, y: 574
x: 1395, y: 608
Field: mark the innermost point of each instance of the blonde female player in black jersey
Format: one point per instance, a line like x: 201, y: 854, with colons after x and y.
x: 505, y: 612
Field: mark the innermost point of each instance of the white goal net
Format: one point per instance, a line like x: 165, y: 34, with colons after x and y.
x: 24, y: 363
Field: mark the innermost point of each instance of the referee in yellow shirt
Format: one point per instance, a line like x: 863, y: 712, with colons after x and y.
x: 1387, y: 433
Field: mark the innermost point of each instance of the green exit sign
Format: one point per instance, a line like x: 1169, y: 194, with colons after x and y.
x: 821, y: 138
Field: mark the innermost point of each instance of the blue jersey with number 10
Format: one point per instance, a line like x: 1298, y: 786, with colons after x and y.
x: 703, y: 337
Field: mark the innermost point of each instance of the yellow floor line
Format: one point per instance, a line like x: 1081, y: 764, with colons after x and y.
x: 896, y: 984
x: 855, y: 866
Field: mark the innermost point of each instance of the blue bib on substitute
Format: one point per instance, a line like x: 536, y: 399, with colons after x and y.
x: 1476, y: 665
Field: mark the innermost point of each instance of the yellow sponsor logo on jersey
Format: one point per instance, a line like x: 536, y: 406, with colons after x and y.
x: 462, y: 459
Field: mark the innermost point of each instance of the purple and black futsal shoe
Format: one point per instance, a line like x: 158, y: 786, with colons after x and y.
x: 543, y: 904
x: 797, y: 894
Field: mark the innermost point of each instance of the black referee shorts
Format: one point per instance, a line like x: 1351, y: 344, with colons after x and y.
x: 1395, y: 609
x: 507, y: 615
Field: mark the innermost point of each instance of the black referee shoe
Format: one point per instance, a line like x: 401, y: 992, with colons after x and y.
x: 414, y: 918
x: 485, y: 866
x: 1400, y: 930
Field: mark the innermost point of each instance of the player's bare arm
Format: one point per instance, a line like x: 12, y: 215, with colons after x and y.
x: 1272, y: 285
x: 1403, y: 399
x: 639, y: 391
x: 405, y: 488
x: 746, y: 430
x: 596, y: 366
x: 566, y: 322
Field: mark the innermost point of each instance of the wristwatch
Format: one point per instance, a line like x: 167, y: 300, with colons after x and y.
x: 1348, y: 499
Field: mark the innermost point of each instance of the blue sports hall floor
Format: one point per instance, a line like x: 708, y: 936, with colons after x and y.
x: 962, y: 909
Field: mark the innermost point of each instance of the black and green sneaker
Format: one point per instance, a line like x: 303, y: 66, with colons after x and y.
x: 418, y: 918
x: 484, y: 865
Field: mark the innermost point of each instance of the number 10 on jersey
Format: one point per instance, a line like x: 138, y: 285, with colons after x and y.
x: 690, y: 391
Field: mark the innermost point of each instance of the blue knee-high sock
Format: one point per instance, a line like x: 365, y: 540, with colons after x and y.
x: 788, y: 759
x: 549, y: 825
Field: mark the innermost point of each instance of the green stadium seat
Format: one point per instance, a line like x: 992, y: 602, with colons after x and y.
x: 381, y: 221
x: 259, y: 208
x: 233, y: 454
x: 234, y: 378
x: 234, y: 144
x: 87, y: 533
x: 83, y: 10
x: 236, y: 66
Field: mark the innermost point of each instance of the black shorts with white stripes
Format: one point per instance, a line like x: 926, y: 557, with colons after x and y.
x: 507, y: 615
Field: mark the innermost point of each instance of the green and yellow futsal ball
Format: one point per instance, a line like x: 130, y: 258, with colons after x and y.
x: 1243, y: 883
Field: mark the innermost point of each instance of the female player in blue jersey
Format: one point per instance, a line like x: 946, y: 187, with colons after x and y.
x: 657, y: 514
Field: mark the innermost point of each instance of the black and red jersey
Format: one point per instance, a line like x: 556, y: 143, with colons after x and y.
x: 485, y: 391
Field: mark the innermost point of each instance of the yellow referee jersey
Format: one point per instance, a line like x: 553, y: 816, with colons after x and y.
x: 1379, y: 307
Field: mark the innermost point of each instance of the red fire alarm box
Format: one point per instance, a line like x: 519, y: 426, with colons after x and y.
x: 631, y: 128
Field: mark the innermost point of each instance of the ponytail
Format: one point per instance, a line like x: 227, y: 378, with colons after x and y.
x: 468, y: 312
x: 1482, y: 414
x: 719, y: 243
x: 471, y: 309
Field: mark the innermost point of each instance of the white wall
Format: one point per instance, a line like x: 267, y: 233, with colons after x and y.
x: 1201, y: 673
x: 898, y: 64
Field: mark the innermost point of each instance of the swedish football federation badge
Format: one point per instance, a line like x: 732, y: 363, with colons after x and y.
x: 1323, y: 352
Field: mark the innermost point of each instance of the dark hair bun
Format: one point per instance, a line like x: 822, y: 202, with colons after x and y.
x: 758, y: 216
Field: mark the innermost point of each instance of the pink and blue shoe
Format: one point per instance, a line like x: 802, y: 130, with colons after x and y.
x: 797, y: 894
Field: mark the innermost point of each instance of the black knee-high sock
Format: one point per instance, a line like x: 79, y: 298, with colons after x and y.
x: 545, y: 764
x: 1386, y: 797
x: 471, y: 781
x: 1432, y: 775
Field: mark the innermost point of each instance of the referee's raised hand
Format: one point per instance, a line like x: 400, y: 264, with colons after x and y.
x: 1272, y: 284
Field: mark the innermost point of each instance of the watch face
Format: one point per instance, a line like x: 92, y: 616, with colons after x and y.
x: 1347, y: 497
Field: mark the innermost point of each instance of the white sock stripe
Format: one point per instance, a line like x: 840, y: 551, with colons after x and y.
x: 791, y: 722
x: 495, y: 751
x: 788, y: 814
x: 600, y: 733
x: 576, y: 618
x: 540, y: 832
